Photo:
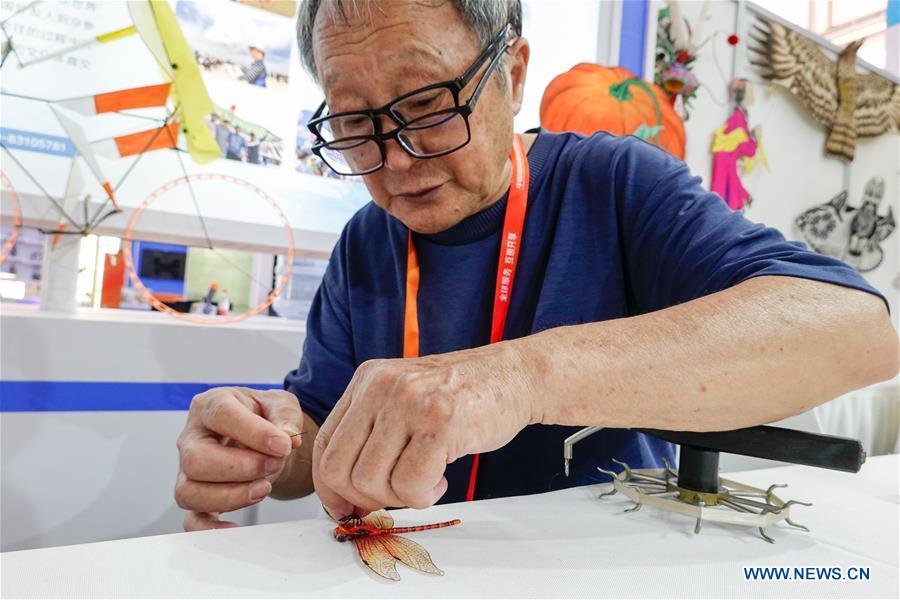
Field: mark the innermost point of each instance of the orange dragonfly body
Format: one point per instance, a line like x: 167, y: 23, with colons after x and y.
x: 380, y: 547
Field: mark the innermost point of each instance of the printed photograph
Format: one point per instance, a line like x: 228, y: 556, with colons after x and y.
x: 244, y: 51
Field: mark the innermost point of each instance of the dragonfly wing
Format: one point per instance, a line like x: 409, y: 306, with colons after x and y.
x: 409, y: 553
x: 377, y: 558
x: 380, y: 519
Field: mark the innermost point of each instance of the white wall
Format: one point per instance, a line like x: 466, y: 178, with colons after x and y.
x: 560, y: 35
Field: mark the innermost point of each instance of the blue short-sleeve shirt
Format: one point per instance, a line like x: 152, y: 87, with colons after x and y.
x: 615, y: 228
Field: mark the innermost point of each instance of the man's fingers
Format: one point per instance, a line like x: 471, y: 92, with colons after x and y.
x: 229, y: 417
x: 201, y: 496
x: 204, y: 458
x: 199, y: 521
x: 371, y: 475
x: 282, y: 409
x: 337, y: 460
x: 418, y: 477
x: 234, y: 446
x: 335, y: 504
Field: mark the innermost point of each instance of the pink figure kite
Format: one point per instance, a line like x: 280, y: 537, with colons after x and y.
x: 732, y: 142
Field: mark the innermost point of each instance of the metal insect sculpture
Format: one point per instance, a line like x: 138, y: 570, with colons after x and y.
x: 847, y: 103
x: 696, y: 490
x: 379, y: 546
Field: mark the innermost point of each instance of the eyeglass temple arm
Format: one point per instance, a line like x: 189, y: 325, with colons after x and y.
x: 483, y: 83
x: 490, y: 49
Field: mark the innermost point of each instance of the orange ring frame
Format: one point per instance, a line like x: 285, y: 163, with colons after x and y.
x: 209, y: 320
x: 17, y: 218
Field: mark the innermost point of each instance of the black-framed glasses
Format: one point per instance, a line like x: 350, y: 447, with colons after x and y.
x: 431, y: 121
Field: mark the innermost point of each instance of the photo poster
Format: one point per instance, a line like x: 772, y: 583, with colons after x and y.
x: 230, y: 40
x: 244, y: 54
x: 247, y: 51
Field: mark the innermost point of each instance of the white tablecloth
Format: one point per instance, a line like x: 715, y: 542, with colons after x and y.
x: 566, y: 543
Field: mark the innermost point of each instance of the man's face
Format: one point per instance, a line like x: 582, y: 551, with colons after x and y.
x: 255, y: 54
x: 402, y: 47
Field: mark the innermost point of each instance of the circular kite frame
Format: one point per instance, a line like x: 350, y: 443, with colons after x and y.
x: 10, y: 242
x: 206, y: 319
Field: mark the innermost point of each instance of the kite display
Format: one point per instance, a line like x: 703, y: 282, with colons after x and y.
x: 675, y: 57
x: 7, y: 245
x: 849, y: 233
x: 177, y: 117
x: 155, y: 24
x: 848, y: 104
x: 735, y: 144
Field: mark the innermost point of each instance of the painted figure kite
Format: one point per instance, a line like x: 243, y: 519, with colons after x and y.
x: 734, y: 143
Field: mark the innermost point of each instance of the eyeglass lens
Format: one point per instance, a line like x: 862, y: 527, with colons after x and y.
x: 432, y: 126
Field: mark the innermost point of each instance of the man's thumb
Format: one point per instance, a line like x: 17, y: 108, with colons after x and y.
x: 283, y: 410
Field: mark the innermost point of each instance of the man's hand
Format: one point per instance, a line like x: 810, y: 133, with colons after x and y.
x: 400, y: 422
x: 232, y: 449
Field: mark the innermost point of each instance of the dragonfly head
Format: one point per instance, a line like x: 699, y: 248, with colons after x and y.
x: 350, y: 530
x: 345, y: 533
x: 342, y: 536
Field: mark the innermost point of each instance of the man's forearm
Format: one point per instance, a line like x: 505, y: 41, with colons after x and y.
x: 295, y: 480
x: 761, y: 351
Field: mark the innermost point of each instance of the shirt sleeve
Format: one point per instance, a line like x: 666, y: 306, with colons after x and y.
x: 329, y: 360
x: 681, y: 242
x: 252, y: 72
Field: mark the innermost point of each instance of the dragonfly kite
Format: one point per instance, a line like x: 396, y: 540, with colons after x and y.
x: 380, y: 547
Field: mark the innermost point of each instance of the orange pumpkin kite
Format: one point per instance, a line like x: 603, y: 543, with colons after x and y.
x: 590, y: 98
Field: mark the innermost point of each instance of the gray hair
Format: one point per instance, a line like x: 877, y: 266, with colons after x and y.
x: 484, y: 17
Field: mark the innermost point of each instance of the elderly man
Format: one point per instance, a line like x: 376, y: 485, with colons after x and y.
x: 617, y: 292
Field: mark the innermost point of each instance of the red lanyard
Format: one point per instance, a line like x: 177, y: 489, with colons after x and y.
x: 510, y: 245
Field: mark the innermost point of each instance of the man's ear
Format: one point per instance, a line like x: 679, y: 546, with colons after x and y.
x: 518, y: 66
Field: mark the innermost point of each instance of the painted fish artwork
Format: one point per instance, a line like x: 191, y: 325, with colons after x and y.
x: 852, y: 234
x: 379, y: 546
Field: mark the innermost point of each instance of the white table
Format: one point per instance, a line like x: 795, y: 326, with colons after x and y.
x: 565, y: 543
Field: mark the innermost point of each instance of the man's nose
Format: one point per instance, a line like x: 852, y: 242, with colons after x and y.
x: 396, y: 158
